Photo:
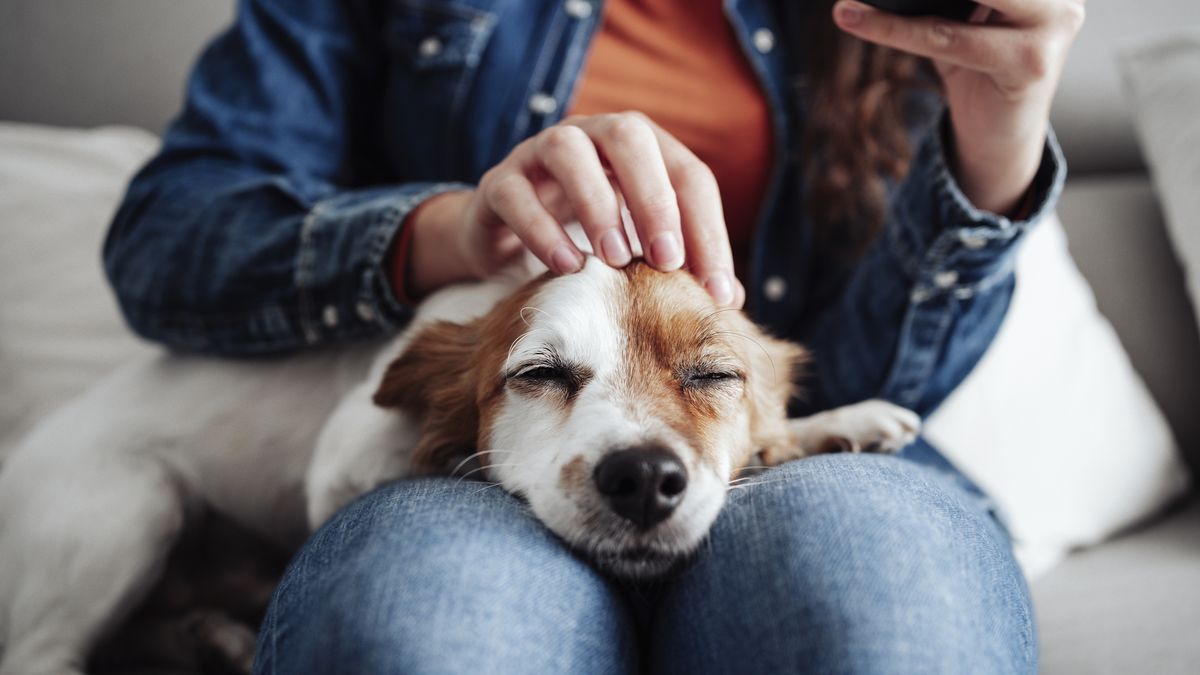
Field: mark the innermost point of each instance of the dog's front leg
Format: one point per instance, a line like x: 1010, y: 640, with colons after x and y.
x: 869, y: 426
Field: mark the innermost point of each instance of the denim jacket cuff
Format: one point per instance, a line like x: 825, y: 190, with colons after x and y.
x: 948, y: 245
x: 341, y: 266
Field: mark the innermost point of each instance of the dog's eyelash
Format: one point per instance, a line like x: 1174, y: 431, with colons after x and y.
x: 702, y: 377
x: 540, y: 373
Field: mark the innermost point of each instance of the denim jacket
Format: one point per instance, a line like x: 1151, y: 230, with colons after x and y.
x: 313, y: 127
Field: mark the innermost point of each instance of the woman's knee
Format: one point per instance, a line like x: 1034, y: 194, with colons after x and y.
x: 856, y: 564
x: 438, y: 576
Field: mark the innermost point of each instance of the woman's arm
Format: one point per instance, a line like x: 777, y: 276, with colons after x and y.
x: 251, y: 231
x: 999, y: 70
x: 922, y: 306
x: 925, y: 304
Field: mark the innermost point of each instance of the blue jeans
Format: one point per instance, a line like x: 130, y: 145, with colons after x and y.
x: 838, y: 564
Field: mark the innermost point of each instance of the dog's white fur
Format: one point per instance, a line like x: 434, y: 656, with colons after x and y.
x: 94, y: 499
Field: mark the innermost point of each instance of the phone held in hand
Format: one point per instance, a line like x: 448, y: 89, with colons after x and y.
x: 959, y: 10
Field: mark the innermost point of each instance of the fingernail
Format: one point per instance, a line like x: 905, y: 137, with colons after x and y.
x: 565, y: 260
x: 720, y: 289
x: 666, y: 251
x: 849, y: 13
x: 615, y: 250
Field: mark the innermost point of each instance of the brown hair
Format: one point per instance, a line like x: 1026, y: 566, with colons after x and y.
x: 856, y: 134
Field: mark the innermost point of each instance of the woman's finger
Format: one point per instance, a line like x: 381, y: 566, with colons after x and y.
x: 509, y: 194
x: 632, y: 151
x: 979, y: 47
x: 705, y: 235
x: 569, y: 156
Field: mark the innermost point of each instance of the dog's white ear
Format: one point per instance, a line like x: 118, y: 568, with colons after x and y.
x: 434, y: 380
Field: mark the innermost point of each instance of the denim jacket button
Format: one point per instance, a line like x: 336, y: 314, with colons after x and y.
x: 363, y: 309
x: 429, y: 47
x: 764, y: 40
x: 329, y: 315
x: 578, y: 9
x: 944, y: 280
x: 973, y: 242
x: 774, y: 288
x: 543, y: 104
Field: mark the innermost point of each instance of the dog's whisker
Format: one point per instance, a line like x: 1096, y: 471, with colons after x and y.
x: 774, y: 372
x: 522, y: 336
x: 485, y: 467
x: 743, y: 479
x: 752, y: 470
x: 530, y: 308
x: 757, y: 483
x: 486, y: 486
x: 720, y: 311
x: 475, y: 455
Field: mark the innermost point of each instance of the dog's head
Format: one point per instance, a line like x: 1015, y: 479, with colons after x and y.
x: 617, y: 402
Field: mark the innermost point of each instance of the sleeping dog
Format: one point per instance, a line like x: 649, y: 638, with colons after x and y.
x: 618, y: 403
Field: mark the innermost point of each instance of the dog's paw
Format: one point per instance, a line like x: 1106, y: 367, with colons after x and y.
x: 869, y: 426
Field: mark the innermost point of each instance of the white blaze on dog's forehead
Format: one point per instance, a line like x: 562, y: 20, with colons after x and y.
x: 575, y: 316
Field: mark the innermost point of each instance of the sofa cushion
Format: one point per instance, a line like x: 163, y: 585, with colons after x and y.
x: 1117, y: 237
x: 1130, y: 606
x: 59, y: 326
x: 1054, y: 423
x: 1162, y: 76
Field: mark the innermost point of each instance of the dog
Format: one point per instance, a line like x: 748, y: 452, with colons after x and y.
x: 618, y: 403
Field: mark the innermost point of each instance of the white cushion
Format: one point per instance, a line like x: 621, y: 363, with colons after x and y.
x: 1162, y: 79
x: 1054, y: 423
x: 59, y: 327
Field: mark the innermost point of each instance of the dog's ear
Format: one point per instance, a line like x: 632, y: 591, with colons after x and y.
x: 434, y: 379
x: 775, y: 366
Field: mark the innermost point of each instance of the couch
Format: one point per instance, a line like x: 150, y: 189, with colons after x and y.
x: 1130, y: 605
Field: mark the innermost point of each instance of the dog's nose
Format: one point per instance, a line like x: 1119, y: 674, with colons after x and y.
x: 643, y: 485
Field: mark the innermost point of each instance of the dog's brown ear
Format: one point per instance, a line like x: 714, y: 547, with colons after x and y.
x: 775, y: 366
x: 434, y: 380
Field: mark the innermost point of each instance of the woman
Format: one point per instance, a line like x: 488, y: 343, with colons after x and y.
x: 336, y: 161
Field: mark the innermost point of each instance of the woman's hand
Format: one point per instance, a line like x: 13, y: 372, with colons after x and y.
x: 582, y: 169
x: 1000, y: 71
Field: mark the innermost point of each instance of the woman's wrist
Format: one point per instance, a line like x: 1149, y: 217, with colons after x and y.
x: 432, y: 257
x: 995, y: 171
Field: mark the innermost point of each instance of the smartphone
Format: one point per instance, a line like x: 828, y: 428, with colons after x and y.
x: 959, y: 10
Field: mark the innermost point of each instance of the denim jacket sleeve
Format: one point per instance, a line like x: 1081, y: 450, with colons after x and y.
x: 921, y: 308
x: 256, y: 229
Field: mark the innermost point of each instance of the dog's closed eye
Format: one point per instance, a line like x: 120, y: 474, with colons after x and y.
x: 542, y: 376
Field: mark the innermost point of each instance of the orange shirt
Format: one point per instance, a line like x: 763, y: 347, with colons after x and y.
x: 679, y: 62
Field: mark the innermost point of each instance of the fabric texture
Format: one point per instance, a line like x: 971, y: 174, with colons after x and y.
x: 1162, y: 80
x: 444, y: 576
x: 1054, y: 423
